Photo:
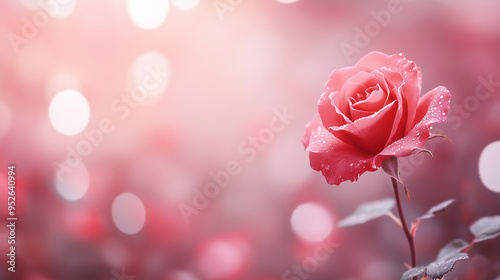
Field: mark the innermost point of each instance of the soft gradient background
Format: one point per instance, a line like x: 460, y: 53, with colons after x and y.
x: 228, y: 71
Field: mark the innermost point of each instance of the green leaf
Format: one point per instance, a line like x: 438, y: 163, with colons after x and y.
x: 486, y: 228
x: 453, y: 247
x: 437, y: 208
x: 416, y: 271
x: 367, y: 212
x: 437, y: 269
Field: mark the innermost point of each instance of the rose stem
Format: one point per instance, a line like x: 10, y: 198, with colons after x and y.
x: 405, y: 227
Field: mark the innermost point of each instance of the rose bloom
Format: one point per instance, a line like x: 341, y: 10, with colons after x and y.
x: 369, y: 113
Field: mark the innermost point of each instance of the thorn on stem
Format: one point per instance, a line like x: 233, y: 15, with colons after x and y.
x: 407, y: 192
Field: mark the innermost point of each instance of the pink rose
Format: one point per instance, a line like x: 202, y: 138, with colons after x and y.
x: 369, y: 113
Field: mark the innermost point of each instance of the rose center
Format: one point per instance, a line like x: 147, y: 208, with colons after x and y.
x: 361, y: 96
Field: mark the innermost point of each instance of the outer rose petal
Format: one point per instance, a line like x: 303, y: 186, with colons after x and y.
x: 331, y: 115
x: 432, y: 107
x: 336, y: 160
x: 338, y: 77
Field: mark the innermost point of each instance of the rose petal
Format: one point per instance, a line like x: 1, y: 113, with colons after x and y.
x: 384, y: 86
x: 410, y: 72
x: 392, y: 82
x: 338, y: 77
x: 369, y: 133
x: 432, y: 107
x: 411, y: 93
x: 396, y: 63
x: 352, y: 87
x: 330, y: 114
x: 393, y: 79
x: 336, y: 160
x: 395, y: 82
x: 374, y: 60
x: 373, y: 102
x: 358, y: 113
x: 411, y: 87
x: 399, y: 122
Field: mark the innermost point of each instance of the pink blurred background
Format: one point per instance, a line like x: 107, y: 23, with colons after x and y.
x: 222, y: 73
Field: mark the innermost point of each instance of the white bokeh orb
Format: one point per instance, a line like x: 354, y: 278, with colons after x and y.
x: 489, y: 166
x: 69, y: 112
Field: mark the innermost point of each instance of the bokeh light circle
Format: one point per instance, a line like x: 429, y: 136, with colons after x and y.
x: 185, y: 4
x: 72, y: 184
x: 58, y: 9
x: 221, y: 259
x: 148, y: 14
x: 489, y: 166
x: 180, y: 275
x: 150, y: 72
x: 312, y: 222
x: 69, y: 112
x: 128, y: 213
